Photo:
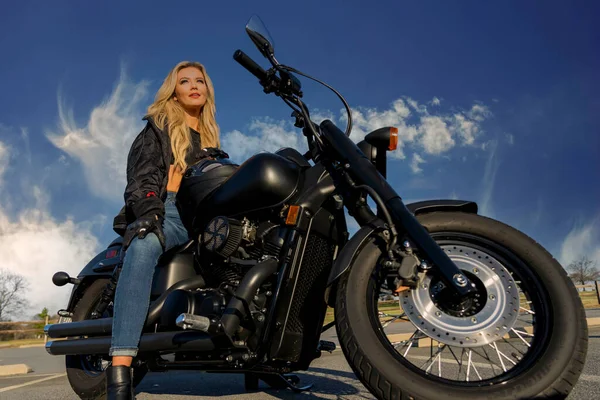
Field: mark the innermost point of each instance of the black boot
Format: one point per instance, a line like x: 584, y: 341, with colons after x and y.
x: 118, y: 383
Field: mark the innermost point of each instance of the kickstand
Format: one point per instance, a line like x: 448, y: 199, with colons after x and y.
x: 276, y: 381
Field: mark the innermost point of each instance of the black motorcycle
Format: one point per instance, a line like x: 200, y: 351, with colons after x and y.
x: 493, y: 314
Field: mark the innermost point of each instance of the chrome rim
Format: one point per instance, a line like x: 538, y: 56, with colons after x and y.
x: 485, y: 344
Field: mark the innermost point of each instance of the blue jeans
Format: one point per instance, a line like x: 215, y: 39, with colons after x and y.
x: 132, y: 298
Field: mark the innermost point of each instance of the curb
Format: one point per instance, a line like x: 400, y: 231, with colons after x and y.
x: 593, y: 321
x: 14, y: 369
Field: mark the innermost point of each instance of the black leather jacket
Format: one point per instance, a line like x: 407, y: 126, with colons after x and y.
x: 148, y: 164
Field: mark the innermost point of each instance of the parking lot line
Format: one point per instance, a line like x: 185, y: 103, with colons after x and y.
x: 6, y: 389
x: 591, y: 378
x: 26, y: 376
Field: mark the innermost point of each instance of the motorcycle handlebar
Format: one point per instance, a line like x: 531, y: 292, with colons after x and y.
x: 250, y: 65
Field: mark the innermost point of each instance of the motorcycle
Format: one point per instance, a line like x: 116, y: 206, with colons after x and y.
x: 493, y: 314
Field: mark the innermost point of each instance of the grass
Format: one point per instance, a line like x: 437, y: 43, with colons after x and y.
x: 20, y: 342
x: 589, y: 299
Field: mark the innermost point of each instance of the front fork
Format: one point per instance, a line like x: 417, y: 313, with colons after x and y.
x: 420, y: 253
x: 451, y: 275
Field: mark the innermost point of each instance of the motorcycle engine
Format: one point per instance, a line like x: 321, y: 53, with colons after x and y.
x: 231, y: 242
x: 228, y: 249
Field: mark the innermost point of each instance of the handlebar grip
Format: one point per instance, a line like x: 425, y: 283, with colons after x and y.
x: 250, y: 65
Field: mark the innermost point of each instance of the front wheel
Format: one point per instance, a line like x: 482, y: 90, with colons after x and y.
x: 523, y: 336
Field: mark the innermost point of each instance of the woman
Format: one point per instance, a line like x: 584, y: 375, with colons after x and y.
x: 181, y: 121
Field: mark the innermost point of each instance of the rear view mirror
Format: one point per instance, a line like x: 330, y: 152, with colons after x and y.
x: 260, y: 35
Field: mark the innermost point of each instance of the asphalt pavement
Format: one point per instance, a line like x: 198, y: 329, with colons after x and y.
x: 331, y: 376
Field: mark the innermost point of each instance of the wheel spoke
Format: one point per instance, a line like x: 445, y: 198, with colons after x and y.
x: 503, y: 355
x: 521, y: 337
x: 527, y: 310
x: 498, y: 352
x: 392, y: 318
x: 410, y: 343
x: 440, y: 362
x: 487, y: 357
x: 523, y: 333
x: 474, y: 368
x: 437, y: 355
x: 458, y: 362
x: 513, y: 346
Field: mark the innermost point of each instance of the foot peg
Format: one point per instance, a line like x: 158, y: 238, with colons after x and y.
x: 325, y: 345
x: 199, y: 323
x: 191, y: 321
x: 276, y: 381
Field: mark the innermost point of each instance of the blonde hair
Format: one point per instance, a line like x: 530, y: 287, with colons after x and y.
x: 165, y: 110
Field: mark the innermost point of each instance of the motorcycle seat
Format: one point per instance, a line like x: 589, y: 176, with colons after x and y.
x: 182, y: 248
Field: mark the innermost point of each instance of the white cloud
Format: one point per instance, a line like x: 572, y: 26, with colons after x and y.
x: 25, y: 137
x: 418, y: 129
x: 414, y: 164
x: 4, y: 159
x: 582, y: 240
x: 466, y: 128
x: 467, y: 124
x: 489, y: 180
x: 420, y: 108
x: 510, y: 138
x: 536, y: 217
x: 267, y: 135
x: 103, y: 143
x: 101, y: 146
x: 36, y: 245
x: 435, y: 135
x: 366, y: 120
x: 479, y: 112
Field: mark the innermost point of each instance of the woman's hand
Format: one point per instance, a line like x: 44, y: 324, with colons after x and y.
x: 142, y: 226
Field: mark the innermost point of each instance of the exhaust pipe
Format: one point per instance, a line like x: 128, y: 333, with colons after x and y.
x: 90, y: 327
x: 103, y: 326
x: 236, y: 308
x: 161, y: 341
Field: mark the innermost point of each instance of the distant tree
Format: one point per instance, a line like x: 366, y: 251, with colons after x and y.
x: 583, y: 270
x: 12, y: 293
x: 43, y: 314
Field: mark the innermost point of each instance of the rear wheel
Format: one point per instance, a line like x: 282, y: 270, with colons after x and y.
x: 524, y: 336
x: 86, y: 373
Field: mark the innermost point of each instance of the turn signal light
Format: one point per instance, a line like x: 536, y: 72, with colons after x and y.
x: 292, y: 215
x: 393, y: 139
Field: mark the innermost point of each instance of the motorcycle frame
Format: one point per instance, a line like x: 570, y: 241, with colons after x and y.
x: 321, y: 201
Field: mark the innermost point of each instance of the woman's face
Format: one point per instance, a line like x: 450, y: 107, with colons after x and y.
x: 191, y: 90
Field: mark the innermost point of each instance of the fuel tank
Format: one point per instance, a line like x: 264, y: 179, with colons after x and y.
x: 263, y: 181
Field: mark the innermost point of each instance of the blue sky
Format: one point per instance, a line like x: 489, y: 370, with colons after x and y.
x: 496, y: 103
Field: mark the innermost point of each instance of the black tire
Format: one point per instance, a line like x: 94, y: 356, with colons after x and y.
x: 558, y: 360
x: 87, y: 382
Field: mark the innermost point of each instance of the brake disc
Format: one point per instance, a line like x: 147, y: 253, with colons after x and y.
x: 496, y: 311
